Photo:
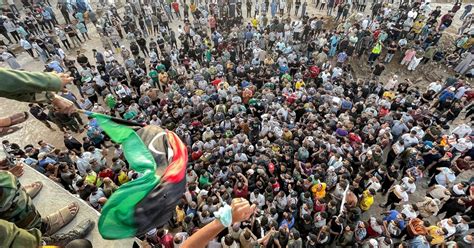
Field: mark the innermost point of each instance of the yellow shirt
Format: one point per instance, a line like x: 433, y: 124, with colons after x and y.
x: 366, y: 201
x: 254, y: 22
x: 377, y: 48
x: 319, y: 193
x: 180, y: 214
x: 299, y: 84
x: 417, y: 26
x: 192, y: 7
x: 435, y: 232
x: 123, y: 178
x: 90, y: 179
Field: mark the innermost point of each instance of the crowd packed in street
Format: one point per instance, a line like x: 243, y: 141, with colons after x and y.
x: 264, y: 96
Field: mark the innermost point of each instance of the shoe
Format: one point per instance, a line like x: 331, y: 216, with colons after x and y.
x: 79, y: 232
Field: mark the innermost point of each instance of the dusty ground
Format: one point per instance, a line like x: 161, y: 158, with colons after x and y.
x: 32, y: 130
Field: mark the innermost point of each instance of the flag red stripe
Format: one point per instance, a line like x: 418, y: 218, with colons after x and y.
x: 176, y: 170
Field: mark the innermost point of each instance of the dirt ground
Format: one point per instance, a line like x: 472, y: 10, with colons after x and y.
x: 32, y: 131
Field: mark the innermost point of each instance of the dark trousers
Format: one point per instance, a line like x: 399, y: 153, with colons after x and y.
x: 5, y: 34
x: 46, y: 123
x: 372, y: 58
x: 14, y: 9
x: 66, y: 17
x: 66, y: 44
x: 144, y: 50
x: 386, y: 186
x: 392, y: 199
x: 84, y: 35
x: 30, y: 52
x: 391, y: 157
x: 15, y: 36
x: 432, y: 181
x: 49, y: 24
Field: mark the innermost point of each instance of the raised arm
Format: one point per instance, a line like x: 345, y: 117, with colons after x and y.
x: 241, y: 210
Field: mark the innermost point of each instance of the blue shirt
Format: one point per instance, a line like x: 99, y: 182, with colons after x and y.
x: 418, y: 242
x: 56, y: 66
x: 42, y: 163
x: 289, y: 224
x: 392, y: 216
x: 445, y: 95
x: 47, y: 15
x: 248, y: 35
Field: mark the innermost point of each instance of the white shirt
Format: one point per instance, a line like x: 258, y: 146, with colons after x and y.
x: 407, y: 209
x: 365, y: 24
x: 451, y: 229
x: 259, y: 199
x: 435, y: 86
x: 462, y: 130
x: 445, y: 176
x: 408, y: 140
x: 411, y: 187
x: 403, y: 194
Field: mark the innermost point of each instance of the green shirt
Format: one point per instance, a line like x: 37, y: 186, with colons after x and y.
x: 154, y: 75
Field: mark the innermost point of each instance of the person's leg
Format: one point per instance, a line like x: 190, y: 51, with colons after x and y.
x: 66, y: 44
x: 30, y: 51
x: 5, y: 34
x: 391, y: 199
x: 21, y: 210
x: 371, y: 59
x: 386, y: 186
x: 50, y: 24
x: 66, y: 18
x: 77, y: 40
x: 388, y: 58
x: 74, y: 126
x: 13, y: 119
x: 78, y: 118
x: 15, y: 36
x: 411, y: 65
x: 47, y: 124
x: 432, y: 181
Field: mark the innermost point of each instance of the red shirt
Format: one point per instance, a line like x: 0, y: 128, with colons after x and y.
x: 196, y: 155
x: 242, y: 192
x: 167, y: 241
x: 175, y: 6
x: 106, y: 173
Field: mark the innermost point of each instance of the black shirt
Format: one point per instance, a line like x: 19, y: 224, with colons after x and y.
x: 379, y: 68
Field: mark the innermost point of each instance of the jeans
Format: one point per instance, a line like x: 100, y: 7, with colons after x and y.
x: 389, y: 57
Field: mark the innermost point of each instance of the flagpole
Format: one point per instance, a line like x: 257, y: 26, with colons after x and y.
x: 115, y: 119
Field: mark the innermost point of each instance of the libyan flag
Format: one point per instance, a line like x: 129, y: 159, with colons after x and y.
x: 149, y: 201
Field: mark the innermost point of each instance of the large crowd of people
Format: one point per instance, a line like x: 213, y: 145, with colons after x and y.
x: 265, y: 98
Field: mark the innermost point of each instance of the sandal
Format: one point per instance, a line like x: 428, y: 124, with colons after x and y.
x: 33, y: 189
x: 60, y: 218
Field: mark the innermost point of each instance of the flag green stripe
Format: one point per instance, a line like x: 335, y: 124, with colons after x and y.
x: 117, y: 219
